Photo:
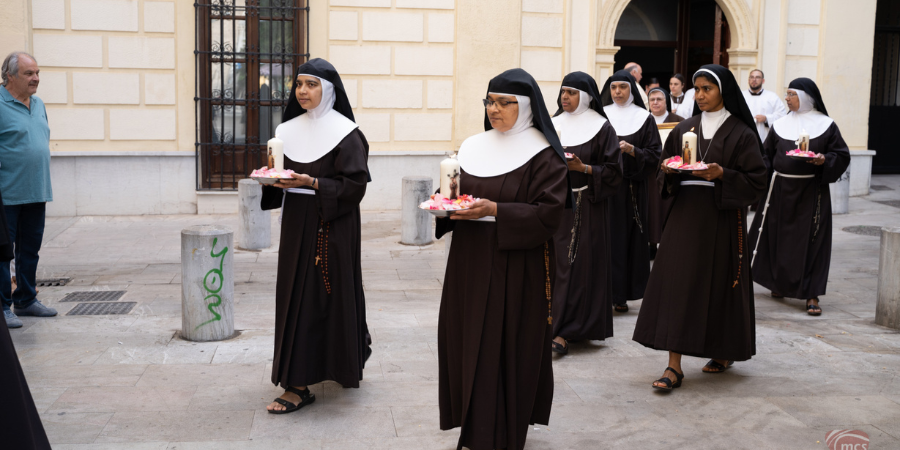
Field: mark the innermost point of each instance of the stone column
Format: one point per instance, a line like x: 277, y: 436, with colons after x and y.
x: 415, y: 224
x: 207, y: 283
x: 887, y: 311
x: 840, y: 194
x: 254, y: 224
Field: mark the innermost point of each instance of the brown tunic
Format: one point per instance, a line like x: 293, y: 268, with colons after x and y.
x: 794, y: 252
x: 582, y: 304
x: 493, y: 333
x: 628, y: 212
x: 692, y: 305
x: 320, y: 335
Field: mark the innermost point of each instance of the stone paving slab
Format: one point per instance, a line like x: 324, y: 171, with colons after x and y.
x: 128, y: 382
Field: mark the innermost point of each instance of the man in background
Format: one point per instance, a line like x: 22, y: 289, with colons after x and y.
x: 766, y: 106
x: 636, y: 71
x: 24, y: 182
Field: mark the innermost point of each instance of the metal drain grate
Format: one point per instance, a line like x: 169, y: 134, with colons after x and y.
x: 865, y: 230
x: 93, y: 296
x: 100, y: 309
x: 894, y: 203
x: 880, y: 187
x: 46, y: 282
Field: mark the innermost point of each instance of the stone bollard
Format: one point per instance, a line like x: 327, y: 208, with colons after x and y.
x: 254, y: 224
x: 840, y: 194
x: 415, y: 224
x: 207, y: 283
x: 887, y: 311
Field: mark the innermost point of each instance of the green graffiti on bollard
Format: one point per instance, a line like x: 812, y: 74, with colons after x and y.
x: 209, y: 290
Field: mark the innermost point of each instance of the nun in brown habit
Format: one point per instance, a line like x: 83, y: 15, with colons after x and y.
x: 320, y: 310
x: 494, y: 329
x: 792, y: 254
x: 640, y: 145
x: 582, y: 294
x: 19, y: 418
x: 699, y: 299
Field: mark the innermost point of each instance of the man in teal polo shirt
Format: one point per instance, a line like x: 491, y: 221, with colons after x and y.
x: 24, y: 182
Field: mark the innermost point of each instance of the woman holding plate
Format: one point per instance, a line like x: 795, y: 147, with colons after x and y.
x: 792, y: 254
x: 582, y: 294
x: 699, y: 299
x: 320, y: 310
x: 494, y: 329
x: 640, y: 145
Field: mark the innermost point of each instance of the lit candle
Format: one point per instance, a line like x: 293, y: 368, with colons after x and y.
x: 689, y: 147
x: 803, y: 142
x: 450, y: 177
x: 276, y: 154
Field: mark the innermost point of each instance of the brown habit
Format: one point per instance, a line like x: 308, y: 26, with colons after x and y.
x: 493, y: 333
x: 628, y: 211
x: 319, y: 335
x: 582, y: 303
x: 692, y: 305
x: 794, y: 252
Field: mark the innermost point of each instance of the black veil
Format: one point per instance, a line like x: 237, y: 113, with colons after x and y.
x: 582, y: 82
x: 323, y: 69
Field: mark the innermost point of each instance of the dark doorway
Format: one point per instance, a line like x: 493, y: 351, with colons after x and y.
x: 884, y: 103
x: 672, y: 36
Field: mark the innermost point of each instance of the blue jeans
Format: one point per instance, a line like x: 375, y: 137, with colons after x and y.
x: 26, y: 230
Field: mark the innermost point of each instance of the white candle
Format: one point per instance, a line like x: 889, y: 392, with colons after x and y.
x: 689, y: 147
x: 803, y: 142
x: 276, y: 153
x: 450, y: 177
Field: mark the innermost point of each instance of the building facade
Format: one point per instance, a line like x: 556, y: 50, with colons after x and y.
x: 121, y: 78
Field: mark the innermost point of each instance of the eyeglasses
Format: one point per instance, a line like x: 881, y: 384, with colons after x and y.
x: 500, y: 103
x: 790, y: 94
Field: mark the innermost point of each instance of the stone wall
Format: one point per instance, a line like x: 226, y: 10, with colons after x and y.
x: 108, y: 73
x: 396, y: 59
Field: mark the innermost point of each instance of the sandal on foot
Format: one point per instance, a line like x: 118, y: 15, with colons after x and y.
x: 813, y: 310
x: 306, y: 398
x: 715, y: 367
x: 668, y: 381
x: 559, y: 348
x: 775, y: 295
x: 623, y: 308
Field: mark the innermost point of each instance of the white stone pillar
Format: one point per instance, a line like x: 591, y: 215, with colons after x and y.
x: 254, y: 224
x: 887, y: 311
x: 840, y: 194
x: 415, y: 224
x: 207, y: 283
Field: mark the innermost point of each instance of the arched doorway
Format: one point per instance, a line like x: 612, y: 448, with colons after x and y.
x: 668, y: 37
x: 740, y: 47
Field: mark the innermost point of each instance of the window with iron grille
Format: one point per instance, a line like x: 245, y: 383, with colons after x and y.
x: 246, y: 54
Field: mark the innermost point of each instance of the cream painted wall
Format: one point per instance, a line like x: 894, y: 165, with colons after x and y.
x: 415, y: 69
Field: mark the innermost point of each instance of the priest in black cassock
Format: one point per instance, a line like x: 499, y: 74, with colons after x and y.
x: 792, y: 254
x: 628, y: 209
x: 582, y: 294
x: 699, y: 299
x: 19, y: 418
x: 494, y: 328
x: 320, y: 310
x: 660, y: 107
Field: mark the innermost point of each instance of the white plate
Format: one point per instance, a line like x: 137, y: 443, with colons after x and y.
x: 442, y: 212
x: 269, y: 181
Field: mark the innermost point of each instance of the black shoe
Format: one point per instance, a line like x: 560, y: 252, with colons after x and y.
x: 306, y: 398
x: 623, y: 308
x: 668, y: 381
x: 559, y: 348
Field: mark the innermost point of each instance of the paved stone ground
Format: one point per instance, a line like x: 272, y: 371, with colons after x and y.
x: 126, y: 382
